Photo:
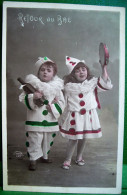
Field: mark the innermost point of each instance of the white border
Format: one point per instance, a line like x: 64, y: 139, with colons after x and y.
x: 116, y: 190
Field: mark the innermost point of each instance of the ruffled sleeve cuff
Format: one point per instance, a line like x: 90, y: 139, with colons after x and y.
x: 104, y: 85
x: 29, y: 102
x: 56, y: 110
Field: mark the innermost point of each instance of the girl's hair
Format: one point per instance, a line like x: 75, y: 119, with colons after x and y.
x: 48, y: 63
x: 71, y: 77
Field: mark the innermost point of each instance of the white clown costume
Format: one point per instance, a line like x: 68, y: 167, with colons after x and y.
x: 81, y: 119
x: 41, y: 125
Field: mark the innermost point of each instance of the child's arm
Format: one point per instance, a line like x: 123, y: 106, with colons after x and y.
x: 27, y: 99
x: 104, y: 82
x: 57, y: 105
x: 104, y: 73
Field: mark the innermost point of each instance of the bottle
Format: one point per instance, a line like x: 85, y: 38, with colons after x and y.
x: 29, y: 89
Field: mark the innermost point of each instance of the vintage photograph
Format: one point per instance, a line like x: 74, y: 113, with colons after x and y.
x: 63, y: 69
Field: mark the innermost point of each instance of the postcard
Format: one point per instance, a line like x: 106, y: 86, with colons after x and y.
x: 63, y: 68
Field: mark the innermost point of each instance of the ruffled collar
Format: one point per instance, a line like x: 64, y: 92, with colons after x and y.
x: 47, y: 88
x: 85, y: 86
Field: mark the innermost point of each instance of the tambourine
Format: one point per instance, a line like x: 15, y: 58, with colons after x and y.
x: 103, y: 54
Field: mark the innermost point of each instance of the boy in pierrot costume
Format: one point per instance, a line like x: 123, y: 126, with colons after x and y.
x: 80, y: 121
x: 42, y: 120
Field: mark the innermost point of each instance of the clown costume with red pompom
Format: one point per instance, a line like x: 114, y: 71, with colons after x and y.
x: 81, y: 95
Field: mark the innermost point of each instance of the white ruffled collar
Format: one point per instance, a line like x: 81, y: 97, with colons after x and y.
x: 85, y: 86
x: 47, y: 88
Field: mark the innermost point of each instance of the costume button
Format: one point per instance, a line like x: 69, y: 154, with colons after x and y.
x: 73, y: 114
x: 72, y: 122
x: 27, y: 134
x: 72, y: 130
x: 54, y: 134
x: 51, y: 143
x: 44, y: 122
x: 83, y: 111
x: 45, y: 112
x: 48, y: 152
x: 46, y: 102
x: 82, y: 103
x: 27, y: 144
x: 80, y: 95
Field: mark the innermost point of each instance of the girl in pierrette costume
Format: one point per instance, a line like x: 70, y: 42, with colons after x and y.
x: 42, y: 120
x: 80, y: 121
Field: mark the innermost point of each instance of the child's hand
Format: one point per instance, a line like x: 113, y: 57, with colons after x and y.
x: 48, y: 107
x: 37, y: 95
x: 103, y: 65
x: 55, y: 100
x: 36, y: 98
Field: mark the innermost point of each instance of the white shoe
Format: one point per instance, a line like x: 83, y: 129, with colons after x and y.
x: 80, y: 162
x: 66, y: 165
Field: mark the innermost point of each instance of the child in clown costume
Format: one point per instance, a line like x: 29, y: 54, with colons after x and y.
x: 80, y: 121
x: 42, y: 120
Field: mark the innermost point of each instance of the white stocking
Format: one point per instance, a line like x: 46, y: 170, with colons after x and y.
x: 70, y: 149
x: 80, y: 148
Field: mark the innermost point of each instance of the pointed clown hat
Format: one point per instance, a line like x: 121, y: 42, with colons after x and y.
x: 72, y: 62
x: 42, y: 60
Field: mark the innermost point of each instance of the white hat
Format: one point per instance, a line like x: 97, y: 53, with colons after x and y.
x: 41, y: 61
x: 72, y: 62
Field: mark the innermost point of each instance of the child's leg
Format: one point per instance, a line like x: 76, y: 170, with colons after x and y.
x: 70, y: 149
x: 34, y: 150
x: 80, y: 148
x: 47, y: 143
x: 33, y: 143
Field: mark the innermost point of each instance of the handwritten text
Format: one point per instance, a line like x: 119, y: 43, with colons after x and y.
x: 59, y: 20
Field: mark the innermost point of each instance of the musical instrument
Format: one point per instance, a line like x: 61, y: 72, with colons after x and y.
x: 103, y: 54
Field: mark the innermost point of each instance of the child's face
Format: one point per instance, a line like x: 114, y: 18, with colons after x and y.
x: 46, y: 73
x: 81, y: 74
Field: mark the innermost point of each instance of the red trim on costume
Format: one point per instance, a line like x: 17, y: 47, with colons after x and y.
x: 98, y: 83
x: 72, y: 132
x: 97, y: 100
